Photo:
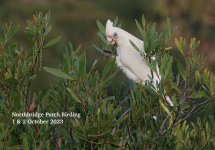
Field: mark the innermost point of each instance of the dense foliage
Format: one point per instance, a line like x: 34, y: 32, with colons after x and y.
x: 111, y: 117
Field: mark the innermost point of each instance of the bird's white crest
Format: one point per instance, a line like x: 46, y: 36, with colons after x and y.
x: 109, y: 27
x: 109, y: 24
x: 128, y: 58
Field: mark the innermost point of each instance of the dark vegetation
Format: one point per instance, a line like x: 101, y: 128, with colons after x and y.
x: 84, y: 81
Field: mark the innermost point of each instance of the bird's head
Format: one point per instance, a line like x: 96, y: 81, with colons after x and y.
x: 117, y: 36
x: 112, y: 33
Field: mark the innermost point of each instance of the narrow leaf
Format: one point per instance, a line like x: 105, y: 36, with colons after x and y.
x: 98, y: 48
x: 83, y: 65
x: 73, y: 95
x: 102, y: 37
x: 109, y: 65
x: 179, y: 46
x: 212, y: 86
x: 164, y: 107
x: 53, y: 41
x: 25, y: 144
x: 139, y: 28
x: 168, y: 27
x: 100, y: 26
x: 57, y: 73
x: 116, y: 21
x: 135, y: 46
x: 181, y: 70
x: 168, y: 67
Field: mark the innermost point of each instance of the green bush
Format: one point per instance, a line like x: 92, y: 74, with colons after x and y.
x: 110, y: 117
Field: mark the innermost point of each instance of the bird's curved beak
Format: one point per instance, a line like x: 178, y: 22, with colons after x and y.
x: 110, y: 40
x: 111, y: 46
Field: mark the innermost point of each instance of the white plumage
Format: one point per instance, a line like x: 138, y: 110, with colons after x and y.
x: 128, y: 58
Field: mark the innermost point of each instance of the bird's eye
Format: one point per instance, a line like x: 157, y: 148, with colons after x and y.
x: 115, y: 35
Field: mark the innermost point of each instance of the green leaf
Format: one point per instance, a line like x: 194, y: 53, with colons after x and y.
x: 53, y: 41
x: 57, y: 73
x: 143, y: 21
x: 25, y: 144
x: 180, y: 45
x: 47, y: 31
x: 168, y: 67
x: 9, y: 31
x: 168, y: 27
x: 140, y: 28
x: 73, y: 95
x: 107, y: 68
x: 47, y: 133
x: 98, y: 48
x: 212, y: 90
x: 181, y: 70
x: 135, y: 46
x: 93, y: 65
x: 197, y: 94
x: 105, y: 82
x: 102, y: 37
x: 83, y: 65
x: 120, y: 120
x: 15, y: 147
x: 69, y: 47
x: 116, y: 21
x: 164, y: 63
x: 100, y: 26
x: 109, y: 98
x: 164, y: 107
x: 194, y: 44
x: 197, y: 76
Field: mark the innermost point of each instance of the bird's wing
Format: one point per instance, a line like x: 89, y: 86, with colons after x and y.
x: 125, y: 70
x: 132, y: 60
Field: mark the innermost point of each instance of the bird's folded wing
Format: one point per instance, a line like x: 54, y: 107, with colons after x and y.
x: 134, y: 62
